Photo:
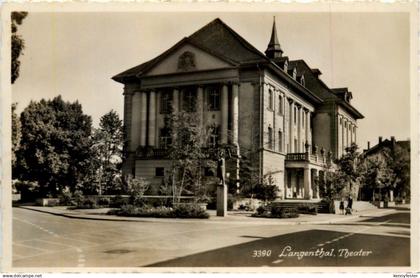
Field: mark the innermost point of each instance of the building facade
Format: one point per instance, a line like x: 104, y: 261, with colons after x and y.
x: 276, y: 112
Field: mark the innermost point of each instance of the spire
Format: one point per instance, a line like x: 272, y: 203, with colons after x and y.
x: 274, y: 49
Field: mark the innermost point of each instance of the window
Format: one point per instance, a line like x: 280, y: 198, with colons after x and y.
x: 189, y: 99
x: 213, y: 98
x: 295, y: 115
x: 159, y: 172
x: 270, y: 99
x: 165, y: 139
x: 165, y: 102
x: 270, y: 138
x: 280, y: 104
x: 295, y: 146
x: 286, y: 65
x: 213, y: 136
x: 280, y: 141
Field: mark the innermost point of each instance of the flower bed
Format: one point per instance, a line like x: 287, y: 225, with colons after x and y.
x: 275, y: 212
x: 178, y: 211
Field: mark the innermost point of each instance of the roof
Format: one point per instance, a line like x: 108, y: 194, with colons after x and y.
x: 236, y: 51
x: 234, y: 48
x: 386, y: 144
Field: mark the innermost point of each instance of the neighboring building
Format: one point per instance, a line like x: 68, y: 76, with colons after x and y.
x: 277, y: 111
x: 383, y: 151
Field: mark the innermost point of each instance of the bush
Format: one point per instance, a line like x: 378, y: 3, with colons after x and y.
x: 327, y: 206
x: 179, y: 211
x: 118, y: 201
x: 276, y: 212
x: 78, y: 198
x: 189, y: 211
x: 104, y: 201
x: 66, y: 199
x: 87, y: 203
x: 307, y: 209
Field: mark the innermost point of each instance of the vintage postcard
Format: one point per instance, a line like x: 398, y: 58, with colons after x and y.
x: 236, y: 137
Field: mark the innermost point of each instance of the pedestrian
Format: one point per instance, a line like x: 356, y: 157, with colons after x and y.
x: 349, y: 205
x: 342, y: 206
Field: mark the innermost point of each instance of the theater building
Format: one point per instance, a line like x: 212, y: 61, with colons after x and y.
x: 276, y: 112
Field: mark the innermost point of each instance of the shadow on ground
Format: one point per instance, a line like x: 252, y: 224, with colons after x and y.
x: 385, y: 251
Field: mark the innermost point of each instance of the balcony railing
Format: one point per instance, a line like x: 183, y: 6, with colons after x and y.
x: 307, y: 157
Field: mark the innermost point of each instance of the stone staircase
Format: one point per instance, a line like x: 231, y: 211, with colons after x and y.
x: 322, y: 207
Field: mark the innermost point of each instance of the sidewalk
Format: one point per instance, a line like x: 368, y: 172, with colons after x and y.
x: 233, y: 217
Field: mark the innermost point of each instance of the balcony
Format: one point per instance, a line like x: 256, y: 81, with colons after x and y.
x: 315, y: 158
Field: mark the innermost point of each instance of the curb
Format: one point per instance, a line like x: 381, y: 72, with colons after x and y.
x: 207, y: 221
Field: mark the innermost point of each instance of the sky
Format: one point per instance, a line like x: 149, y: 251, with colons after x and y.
x: 76, y: 54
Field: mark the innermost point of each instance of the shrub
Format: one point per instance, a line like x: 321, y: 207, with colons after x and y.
x: 180, y: 211
x: 189, y: 211
x: 327, y: 206
x: 104, y: 201
x: 307, y: 209
x: 275, y: 212
x: 118, y: 201
x: 66, y: 198
x: 78, y: 198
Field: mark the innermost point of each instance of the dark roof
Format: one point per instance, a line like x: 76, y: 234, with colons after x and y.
x: 386, y: 144
x: 234, y: 48
x: 319, y: 88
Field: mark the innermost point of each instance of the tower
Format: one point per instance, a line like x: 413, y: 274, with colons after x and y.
x: 274, y: 49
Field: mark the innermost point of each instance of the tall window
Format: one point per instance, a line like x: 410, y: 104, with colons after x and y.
x: 165, y: 102
x: 189, y: 99
x: 280, y: 104
x: 213, y: 136
x: 280, y: 141
x: 270, y: 138
x: 270, y: 99
x: 165, y: 139
x: 213, y: 98
x: 295, y: 115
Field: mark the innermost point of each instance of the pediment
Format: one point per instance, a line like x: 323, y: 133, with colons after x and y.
x: 187, y: 58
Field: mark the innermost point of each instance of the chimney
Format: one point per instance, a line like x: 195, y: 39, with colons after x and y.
x: 393, y: 139
x: 368, y: 145
x: 380, y: 139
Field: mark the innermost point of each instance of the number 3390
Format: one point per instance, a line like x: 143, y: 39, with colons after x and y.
x: 261, y: 253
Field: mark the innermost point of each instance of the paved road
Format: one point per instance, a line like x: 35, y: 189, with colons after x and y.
x: 46, y: 240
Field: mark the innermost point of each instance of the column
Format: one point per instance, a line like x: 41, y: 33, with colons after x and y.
x: 136, y: 123
x: 307, y: 187
x: 200, y: 99
x: 152, y: 119
x: 224, y: 124
x: 291, y: 125
x: 308, y: 130
x: 339, y: 140
x: 175, y: 100
x: 128, y: 105
x: 143, y: 119
x: 285, y: 124
x: 316, y: 177
x: 235, y: 113
x: 299, y: 128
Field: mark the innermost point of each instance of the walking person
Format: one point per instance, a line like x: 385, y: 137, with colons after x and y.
x: 349, y: 205
x: 342, y: 206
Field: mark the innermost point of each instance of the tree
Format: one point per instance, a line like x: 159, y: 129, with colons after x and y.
x: 16, y: 134
x: 187, y: 153
x: 18, y: 44
x: 267, y: 190
x: 56, y: 145
x: 400, y: 165
x: 347, y: 172
x: 108, y: 144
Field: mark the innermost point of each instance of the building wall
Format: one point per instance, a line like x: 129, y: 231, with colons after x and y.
x: 322, y: 130
x: 274, y: 165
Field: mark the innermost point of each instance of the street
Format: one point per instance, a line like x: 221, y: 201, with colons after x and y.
x: 45, y: 240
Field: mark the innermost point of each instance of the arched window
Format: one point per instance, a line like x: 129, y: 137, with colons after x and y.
x: 281, y: 104
x: 270, y: 99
